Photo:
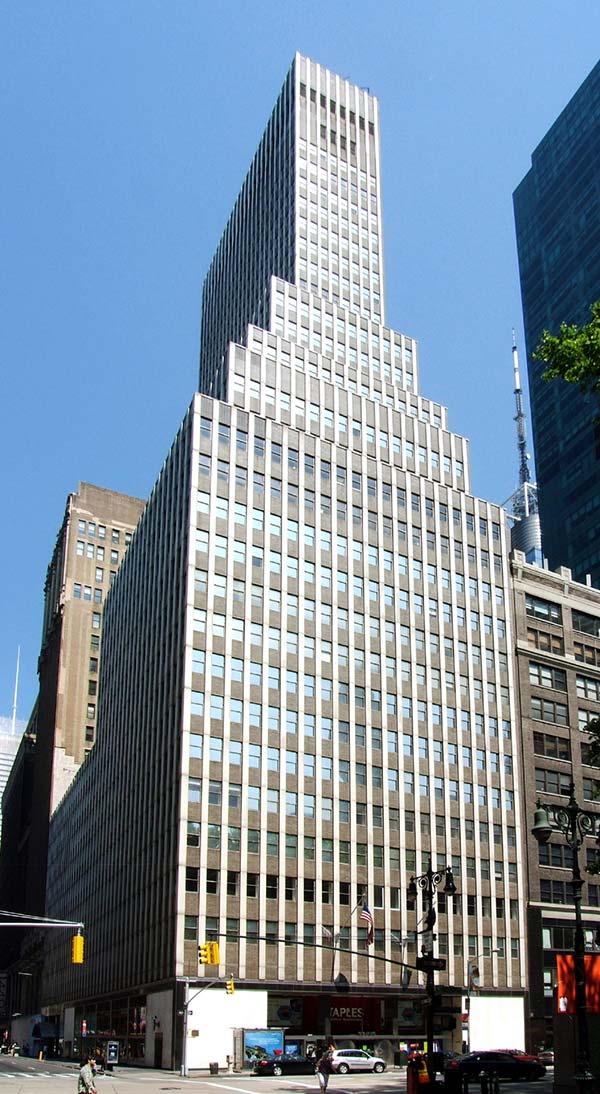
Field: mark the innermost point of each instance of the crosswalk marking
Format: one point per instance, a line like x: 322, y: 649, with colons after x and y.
x: 35, y: 1077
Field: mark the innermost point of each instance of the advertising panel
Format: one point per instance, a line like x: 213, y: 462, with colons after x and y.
x: 496, y: 1021
x: 259, y: 1043
x: 410, y: 1015
x: 285, y: 1011
x: 565, y: 975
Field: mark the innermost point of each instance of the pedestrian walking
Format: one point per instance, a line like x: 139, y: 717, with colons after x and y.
x: 324, y: 1067
x: 85, y: 1084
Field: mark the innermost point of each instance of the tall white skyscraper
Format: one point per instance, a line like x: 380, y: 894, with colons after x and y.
x: 306, y: 690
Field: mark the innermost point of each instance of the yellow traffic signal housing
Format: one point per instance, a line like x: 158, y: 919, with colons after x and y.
x: 77, y: 950
x: 208, y: 953
x: 230, y: 987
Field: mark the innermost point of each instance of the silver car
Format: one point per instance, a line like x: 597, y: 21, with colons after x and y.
x: 344, y: 1060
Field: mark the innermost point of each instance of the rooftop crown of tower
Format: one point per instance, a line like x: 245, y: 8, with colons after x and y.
x: 308, y: 212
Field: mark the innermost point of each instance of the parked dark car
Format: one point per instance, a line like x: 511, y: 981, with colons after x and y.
x: 285, y: 1064
x: 503, y: 1063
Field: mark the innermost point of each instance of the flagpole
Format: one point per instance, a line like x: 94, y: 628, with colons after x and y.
x: 336, y: 937
x: 367, y: 916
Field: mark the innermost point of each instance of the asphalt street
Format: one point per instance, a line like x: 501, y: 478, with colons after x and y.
x: 20, y: 1075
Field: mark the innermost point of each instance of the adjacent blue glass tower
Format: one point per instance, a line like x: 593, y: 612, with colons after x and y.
x: 557, y: 216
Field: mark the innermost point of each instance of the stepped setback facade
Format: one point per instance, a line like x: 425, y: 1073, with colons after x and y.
x: 307, y: 692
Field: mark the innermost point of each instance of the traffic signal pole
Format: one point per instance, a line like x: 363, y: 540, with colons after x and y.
x: 187, y: 999
x: 19, y: 919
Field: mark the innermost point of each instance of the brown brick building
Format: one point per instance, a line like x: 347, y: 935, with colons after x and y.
x: 92, y: 539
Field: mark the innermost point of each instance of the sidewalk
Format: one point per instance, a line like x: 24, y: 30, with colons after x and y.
x: 59, y: 1075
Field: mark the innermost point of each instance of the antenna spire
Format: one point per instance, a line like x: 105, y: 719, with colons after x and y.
x: 524, y: 472
x: 14, y: 706
x: 525, y: 533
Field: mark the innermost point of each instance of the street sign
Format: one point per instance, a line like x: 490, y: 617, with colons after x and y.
x: 431, y: 964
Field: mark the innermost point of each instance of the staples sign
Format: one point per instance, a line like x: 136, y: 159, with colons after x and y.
x: 346, y: 1014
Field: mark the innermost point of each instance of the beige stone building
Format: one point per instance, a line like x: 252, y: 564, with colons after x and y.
x: 557, y: 630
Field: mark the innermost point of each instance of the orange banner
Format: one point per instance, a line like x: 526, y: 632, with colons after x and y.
x: 565, y: 974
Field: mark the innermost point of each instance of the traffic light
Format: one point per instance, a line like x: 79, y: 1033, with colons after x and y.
x: 77, y: 950
x: 230, y: 987
x: 208, y: 953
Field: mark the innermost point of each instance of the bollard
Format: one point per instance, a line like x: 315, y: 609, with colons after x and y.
x: 465, y: 1083
x: 412, y: 1077
x: 484, y: 1082
x: 495, y: 1084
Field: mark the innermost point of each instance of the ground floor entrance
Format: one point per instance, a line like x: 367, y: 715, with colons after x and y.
x: 149, y: 1028
x: 121, y: 1021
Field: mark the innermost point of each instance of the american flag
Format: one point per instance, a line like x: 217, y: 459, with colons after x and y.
x: 367, y: 917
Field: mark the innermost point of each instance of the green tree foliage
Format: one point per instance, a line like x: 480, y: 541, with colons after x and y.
x: 593, y: 728
x: 574, y: 353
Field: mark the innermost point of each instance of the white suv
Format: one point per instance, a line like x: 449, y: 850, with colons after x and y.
x: 344, y: 1060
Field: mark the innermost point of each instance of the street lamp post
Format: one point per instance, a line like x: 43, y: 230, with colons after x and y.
x: 428, y: 883
x: 574, y: 824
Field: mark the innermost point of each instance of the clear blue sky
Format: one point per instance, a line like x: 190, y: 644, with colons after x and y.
x: 128, y: 128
